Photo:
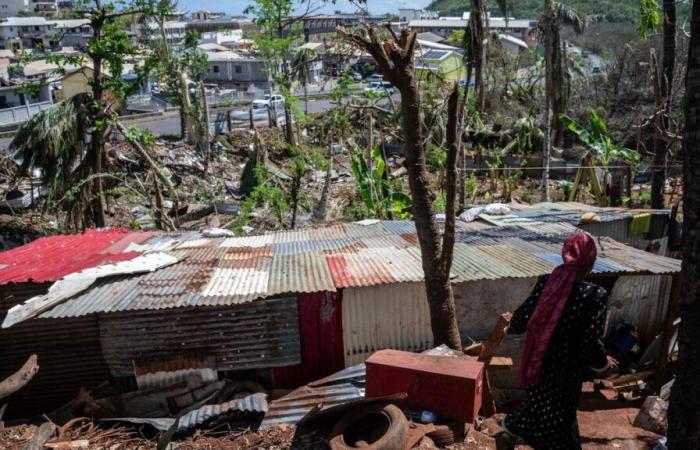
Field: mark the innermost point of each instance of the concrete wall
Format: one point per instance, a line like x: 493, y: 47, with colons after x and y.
x: 236, y: 71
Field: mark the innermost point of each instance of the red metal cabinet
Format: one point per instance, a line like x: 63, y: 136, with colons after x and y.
x: 450, y: 387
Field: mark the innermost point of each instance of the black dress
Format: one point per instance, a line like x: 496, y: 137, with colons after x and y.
x: 547, y: 419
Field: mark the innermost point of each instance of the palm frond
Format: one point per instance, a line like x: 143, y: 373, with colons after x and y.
x: 570, y: 16
x: 54, y: 142
x: 300, y: 63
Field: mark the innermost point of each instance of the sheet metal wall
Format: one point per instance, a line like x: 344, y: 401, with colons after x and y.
x: 68, y: 352
x: 392, y: 316
x: 620, y: 231
x: 261, y: 334
x: 479, y: 303
x: 321, y: 330
x: 642, y: 301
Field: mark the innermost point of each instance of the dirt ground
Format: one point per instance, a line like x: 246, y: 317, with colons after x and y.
x: 608, y: 425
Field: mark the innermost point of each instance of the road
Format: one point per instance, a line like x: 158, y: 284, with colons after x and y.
x: 170, y: 123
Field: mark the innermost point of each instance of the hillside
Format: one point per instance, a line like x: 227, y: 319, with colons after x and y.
x: 610, y: 10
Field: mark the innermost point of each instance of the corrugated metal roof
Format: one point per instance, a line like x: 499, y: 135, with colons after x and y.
x: 469, y: 263
x: 218, y: 271
x: 52, y: 258
x: 306, y: 272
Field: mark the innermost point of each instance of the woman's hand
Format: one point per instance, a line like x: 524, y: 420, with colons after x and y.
x: 613, y: 364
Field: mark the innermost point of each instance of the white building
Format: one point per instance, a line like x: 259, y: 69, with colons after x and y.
x: 521, y: 29
x: 11, y: 8
x: 409, y: 14
x: 206, y: 15
x: 27, y: 32
x: 175, y: 33
x: 227, y: 38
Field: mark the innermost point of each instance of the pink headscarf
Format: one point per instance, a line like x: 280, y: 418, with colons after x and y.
x: 579, y: 252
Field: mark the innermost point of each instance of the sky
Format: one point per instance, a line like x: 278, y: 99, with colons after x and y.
x: 237, y: 6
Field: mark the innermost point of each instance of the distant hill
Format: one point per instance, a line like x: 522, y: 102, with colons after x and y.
x: 609, y: 10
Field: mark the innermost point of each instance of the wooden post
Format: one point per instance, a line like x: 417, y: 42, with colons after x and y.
x: 671, y: 315
x: 229, y: 122
x: 488, y: 351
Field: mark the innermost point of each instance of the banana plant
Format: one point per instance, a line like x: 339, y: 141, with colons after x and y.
x: 597, y: 139
x: 602, y: 148
x: 379, y: 196
x: 528, y: 137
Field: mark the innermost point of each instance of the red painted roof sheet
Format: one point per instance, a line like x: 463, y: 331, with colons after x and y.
x: 52, y: 258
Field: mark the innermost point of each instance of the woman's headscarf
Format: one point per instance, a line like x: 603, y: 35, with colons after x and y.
x: 579, y: 252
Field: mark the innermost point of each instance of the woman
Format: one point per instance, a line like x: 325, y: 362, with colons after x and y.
x: 564, y: 319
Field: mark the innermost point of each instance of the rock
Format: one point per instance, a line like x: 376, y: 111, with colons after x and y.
x: 653, y: 416
x: 476, y: 440
x: 492, y: 426
x: 426, y: 444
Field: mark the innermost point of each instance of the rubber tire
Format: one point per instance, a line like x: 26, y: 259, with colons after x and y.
x: 444, y: 435
x: 394, y: 438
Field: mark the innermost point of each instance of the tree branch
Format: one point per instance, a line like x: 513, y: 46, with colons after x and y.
x: 454, y: 119
x: 19, y: 379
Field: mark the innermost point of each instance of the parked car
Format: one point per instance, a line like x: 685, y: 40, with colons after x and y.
x: 260, y: 108
x: 463, y: 83
x: 585, y: 53
x: 356, y: 77
x: 596, y: 70
x: 374, y: 78
x: 380, y: 87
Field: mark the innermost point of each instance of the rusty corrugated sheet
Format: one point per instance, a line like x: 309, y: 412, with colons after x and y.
x: 339, y: 388
x: 260, y: 334
x: 329, y: 233
x: 68, y: 353
x: 306, y: 272
x: 354, y: 270
x: 390, y: 316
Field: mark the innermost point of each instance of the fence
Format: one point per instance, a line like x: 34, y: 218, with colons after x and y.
x: 22, y: 113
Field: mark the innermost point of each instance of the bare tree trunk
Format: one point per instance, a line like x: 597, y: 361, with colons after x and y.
x: 19, y: 379
x: 479, y: 29
x: 395, y: 59
x: 658, y: 177
x: 320, y: 213
x: 290, y: 137
x: 97, y: 140
x: 684, y: 410
x: 205, y: 141
x: 189, y: 133
x: 547, y: 150
x: 549, y: 94
x: 306, y: 99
